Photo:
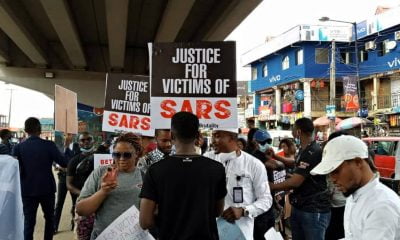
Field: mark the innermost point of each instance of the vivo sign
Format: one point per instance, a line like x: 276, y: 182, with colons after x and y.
x: 276, y: 78
x: 394, y: 63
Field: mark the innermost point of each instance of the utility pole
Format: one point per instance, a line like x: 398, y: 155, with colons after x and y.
x: 332, y: 84
x: 9, y: 108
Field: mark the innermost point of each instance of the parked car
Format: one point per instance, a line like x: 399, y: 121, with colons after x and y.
x: 386, y: 149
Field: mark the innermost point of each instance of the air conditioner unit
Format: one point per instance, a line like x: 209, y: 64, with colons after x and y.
x: 397, y: 35
x: 370, y: 45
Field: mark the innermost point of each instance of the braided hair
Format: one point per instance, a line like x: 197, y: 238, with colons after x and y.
x: 131, y: 138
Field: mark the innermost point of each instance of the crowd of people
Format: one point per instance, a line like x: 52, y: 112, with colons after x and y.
x: 317, y: 191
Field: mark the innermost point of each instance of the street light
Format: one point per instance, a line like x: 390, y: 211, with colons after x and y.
x: 327, y: 19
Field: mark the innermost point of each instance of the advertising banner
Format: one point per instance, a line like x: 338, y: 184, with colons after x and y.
x: 194, y: 77
x: 127, y: 104
x: 350, y: 93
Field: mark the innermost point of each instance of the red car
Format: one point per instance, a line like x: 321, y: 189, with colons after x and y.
x: 385, y: 149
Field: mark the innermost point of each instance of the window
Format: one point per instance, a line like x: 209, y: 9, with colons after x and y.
x: 265, y: 70
x: 299, y: 57
x: 346, y: 57
x: 321, y: 55
x: 285, y: 63
x: 362, y: 55
x: 253, y: 73
x: 382, y: 48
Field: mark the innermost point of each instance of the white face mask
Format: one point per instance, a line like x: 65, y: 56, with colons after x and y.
x: 263, y: 148
x: 223, y: 157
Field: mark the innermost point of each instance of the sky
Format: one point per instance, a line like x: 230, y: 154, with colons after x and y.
x: 270, y: 18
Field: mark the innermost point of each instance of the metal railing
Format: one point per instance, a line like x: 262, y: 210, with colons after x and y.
x: 396, y: 100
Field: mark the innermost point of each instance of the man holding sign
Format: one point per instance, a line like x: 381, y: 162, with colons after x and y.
x: 188, y: 188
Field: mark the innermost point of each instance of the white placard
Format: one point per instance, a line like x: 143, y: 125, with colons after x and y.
x: 125, y: 227
x: 102, y: 160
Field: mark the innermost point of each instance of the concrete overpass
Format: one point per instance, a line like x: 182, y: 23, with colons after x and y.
x: 78, y: 41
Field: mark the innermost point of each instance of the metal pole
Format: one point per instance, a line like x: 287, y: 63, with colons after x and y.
x: 357, y: 70
x: 9, y: 108
x: 332, y: 83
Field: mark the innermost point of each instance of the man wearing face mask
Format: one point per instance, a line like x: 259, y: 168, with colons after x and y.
x: 248, y: 192
x: 310, y: 198
x: 79, y: 169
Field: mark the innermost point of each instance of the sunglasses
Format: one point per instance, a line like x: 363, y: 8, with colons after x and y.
x: 125, y: 155
x: 86, y: 139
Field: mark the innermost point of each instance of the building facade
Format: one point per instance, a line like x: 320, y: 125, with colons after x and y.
x: 291, y: 72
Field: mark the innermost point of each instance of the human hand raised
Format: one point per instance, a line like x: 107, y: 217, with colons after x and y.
x: 109, y: 180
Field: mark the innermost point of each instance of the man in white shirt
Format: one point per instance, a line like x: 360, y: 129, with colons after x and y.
x: 372, y: 210
x: 247, y: 182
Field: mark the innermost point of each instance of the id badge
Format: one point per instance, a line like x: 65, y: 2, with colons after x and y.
x: 238, y: 195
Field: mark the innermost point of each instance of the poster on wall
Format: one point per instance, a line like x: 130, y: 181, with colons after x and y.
x: 127, y: 104
x: 350, y: 93
x: 194, y: 77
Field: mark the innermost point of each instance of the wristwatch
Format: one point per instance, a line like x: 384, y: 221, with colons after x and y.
x: 246, y: 212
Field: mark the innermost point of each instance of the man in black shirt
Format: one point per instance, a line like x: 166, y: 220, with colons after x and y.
x: 189, y: 189
x: 310, y: 198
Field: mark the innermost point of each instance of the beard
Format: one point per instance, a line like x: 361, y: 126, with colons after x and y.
x: 350, y: 191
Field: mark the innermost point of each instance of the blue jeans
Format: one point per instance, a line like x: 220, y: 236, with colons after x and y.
x: 308, y: 225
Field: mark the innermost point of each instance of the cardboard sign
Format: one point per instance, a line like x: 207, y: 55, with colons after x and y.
x: 124, y: 227
x: 272, y: 234
x: 102, y: 160
x: 194, y: 77
x: 229, y: 231
x: 127, y: 104
x: 65, y: 110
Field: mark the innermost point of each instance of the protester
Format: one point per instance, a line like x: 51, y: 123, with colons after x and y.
x: 38, y: 186
x: 266, y: 220
x: 104, y: 147
x: 62, y: 183
x: 310, y: 198
x: 188, y: 189
x: 110, y: 191
x: 5, y: 144
x: 79, y: 169
x: 148, y: 144
x: 242, y: 144
x: 247, y: 176
x: 372, y: 210
x: 287, y: 155
x: 164, y: 145
x: 11, y: 210
x: 251, y: 145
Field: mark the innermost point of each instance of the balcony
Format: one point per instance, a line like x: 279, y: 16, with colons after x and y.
x: 318, y: 104
x: 384, y: 101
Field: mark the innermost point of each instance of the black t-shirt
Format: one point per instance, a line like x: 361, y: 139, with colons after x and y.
x: 80, y: 168
x: 186, y: 189
x: 312, y: 195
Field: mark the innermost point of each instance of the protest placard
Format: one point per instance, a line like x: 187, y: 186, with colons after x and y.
x: 102, y: 160
x: 272, y: 234
x: 229, y: 231
x: 125, y: 227
x: 65, y: 110
x: 127, y: 104
x: 194, y: 77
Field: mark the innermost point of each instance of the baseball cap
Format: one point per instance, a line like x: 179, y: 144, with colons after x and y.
x: 337, y: 151
x: 261, y: 135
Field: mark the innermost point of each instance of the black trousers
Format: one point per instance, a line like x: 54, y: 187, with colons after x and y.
x: 61, y: 195
x: 262, y: 223
x: 335, y: 229
x: 31, y: 204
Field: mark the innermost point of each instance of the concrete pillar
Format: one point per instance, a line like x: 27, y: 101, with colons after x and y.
x: 375, y: 92
x: 307, y: 98
x: 278, y: 103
